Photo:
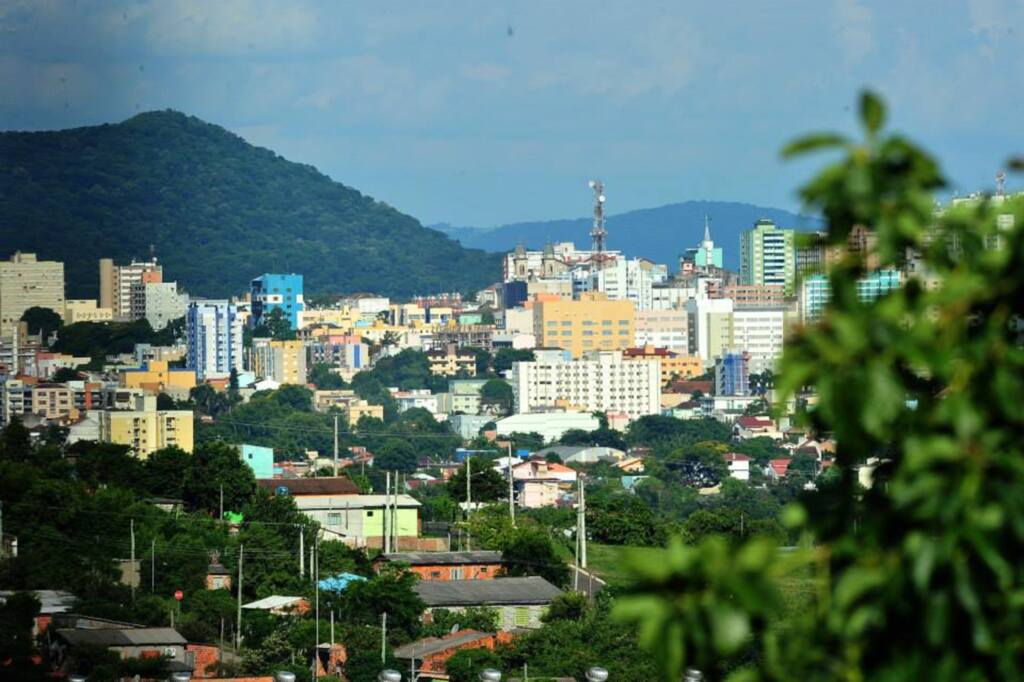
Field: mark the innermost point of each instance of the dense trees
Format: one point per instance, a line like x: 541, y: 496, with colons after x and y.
x: 197, y: 192
x: 42, y: 321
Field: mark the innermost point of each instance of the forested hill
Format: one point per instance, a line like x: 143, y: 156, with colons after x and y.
x: 218, y: 211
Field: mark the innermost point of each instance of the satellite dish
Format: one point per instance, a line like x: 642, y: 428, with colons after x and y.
x: 600, y: 197
x: 591, y: 183
x: 455, y: 628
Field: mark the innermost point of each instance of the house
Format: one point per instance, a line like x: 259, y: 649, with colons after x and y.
x: 583, y: 454
x: 534, y: 494
x: 778, y: 467
x: 51, y: 602
x: 280, y: 605
x: 481, y: 565
x: 756, y: 427
x: 429, y: 656
x: 739, y: 465
x: 125, y: 639
x: 520, y: 602
x: 539, y: 469
x: 631, y: 465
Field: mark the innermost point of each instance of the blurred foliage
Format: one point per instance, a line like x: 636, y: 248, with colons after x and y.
x: 918, y: 577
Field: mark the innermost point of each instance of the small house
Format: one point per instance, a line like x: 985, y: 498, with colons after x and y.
x: 519, y: 602
x: 480, y: 565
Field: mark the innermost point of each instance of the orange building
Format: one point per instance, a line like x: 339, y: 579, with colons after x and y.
x: 673, y: 365
x: 446, y: 565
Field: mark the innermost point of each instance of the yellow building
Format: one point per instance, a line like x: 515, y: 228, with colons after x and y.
x: 282, y: 361
x: 672, y: 365
x: 360, y: 408
x: 147, y: 429
x: 344, y: 318
x: 53, y: 401
x: 86, y: 310
x: 591, y: 323
x: 157, y: 376
x: 452, y: 362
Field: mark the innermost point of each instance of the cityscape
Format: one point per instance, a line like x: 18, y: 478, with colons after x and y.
x: 256, y: 425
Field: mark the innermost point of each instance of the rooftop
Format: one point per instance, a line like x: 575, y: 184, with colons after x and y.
x: 108, y: 637
x: 340, y: 485
x: 432, y: 645
x: 443, y: 558
x: 527, y: 590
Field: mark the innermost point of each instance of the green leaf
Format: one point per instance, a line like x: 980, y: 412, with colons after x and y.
x: 872, y: 111
x: 810, y: 143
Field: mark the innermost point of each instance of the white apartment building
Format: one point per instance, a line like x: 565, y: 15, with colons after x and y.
x: 760, y: 332
x: 663, y: 329
x: 622, y: 280
x: 214, y: 337
x: 26, y: 282
x: 709, y: 327
x: 519, y: 320
x: 598, y: 381
x: 671, y: 296
x: 162, y: 303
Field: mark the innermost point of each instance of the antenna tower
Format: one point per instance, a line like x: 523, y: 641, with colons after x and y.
x: 1000, y: 184
x: 598, y: 233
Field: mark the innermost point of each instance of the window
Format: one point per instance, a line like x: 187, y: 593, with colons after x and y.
x: 334, y: 519
x: 521, y: 616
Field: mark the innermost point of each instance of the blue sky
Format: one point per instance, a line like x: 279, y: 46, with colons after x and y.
x: 481, y: 113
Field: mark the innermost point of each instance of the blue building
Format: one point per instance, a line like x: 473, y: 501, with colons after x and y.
x: 259, y: 459
x: 815, y: 290
x: 277, y: 292
x: 732, y: 374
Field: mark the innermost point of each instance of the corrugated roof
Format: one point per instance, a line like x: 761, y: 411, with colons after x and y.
x: 138, y: 636
x: 527, y: 590
x: 328, y: 485
x: 272, y: 602
x: 108, y: 637
x: 433, y: 645
x: 417, y: 558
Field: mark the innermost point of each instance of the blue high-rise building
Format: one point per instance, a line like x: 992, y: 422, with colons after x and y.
x: 277, y: 292
x: 732, y: 374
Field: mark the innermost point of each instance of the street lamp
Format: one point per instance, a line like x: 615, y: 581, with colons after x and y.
x: 284, y: 676
x: 181, y: 677
x: 692, y: 675
x: 597, y: 674
x: 389, y: 676
x: 490, y: 675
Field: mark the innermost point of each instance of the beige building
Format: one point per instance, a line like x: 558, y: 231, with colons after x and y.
x: 53, y: 401
x: 26, y: 282
x: 452, y: 362
x: 117, y: 283
x: 282, y: 361
x: 591, y: 323
x: 146, y: 429
x: 157, y: 376
x: 85, y: 310
x: 360, y: 408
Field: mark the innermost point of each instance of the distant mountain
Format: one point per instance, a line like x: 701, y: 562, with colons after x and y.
x: 217, y: 210
x: 660, y: 234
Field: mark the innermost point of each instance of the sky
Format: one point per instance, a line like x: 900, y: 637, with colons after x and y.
x: 482, y: 113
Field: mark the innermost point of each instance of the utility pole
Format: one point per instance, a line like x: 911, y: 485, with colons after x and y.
x: 383, y: 636
x: 315, y: 570
x: 135, y: 572
x: 335, y: 444
x: 583, y: 524
x: 152, y: 565
x: 386, y: 537
x: 394, y: 516
x: 238, y: 629
x: 469, y: 497
x: 302, y: 554
x: 221, y: 503
x: 511, y: 489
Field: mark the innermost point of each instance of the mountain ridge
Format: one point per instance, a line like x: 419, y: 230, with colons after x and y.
x: 217, y: 210
x: 660, y: 233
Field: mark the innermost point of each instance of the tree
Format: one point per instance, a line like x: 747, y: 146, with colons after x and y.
x: 17, y: 618
x: 165, y: 471
x: 496, y: 397
x: 916, y: 574
x: 529, y: 550
x: 465, y: 665
x: 621, y: 519
x: 487, y: 485
x: 504, y: 358
x: 567, y: 606
x: 390, y: 591
x: 64, y: 375
x: 43, y: 321
x: 324, y: 378
x: 395, y: 454
x: 216, y: 465
x: 274, y: 325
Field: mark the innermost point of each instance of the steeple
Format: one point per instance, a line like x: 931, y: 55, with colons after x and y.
x: 707, y: 228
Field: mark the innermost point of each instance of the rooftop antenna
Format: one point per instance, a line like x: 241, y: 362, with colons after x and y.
x: 152, y: 252
x: 1000, y: 184
x: 598, y: 233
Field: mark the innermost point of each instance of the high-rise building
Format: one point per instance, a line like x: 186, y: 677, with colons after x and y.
x: 118, y: 291
x: 732, y: 374
x: 162, y: 302
x: 26, y: 282
x: 622, y: 280
x: 272, y: 292
x: 767, y: 256
x: 815, y: 291
x: 709, y: 327
x: 759, y: 332
x: 591, y: 323
x: 599, y: 381
x: 281, y: 361
x: 663, y: 329
x: 214, y: 339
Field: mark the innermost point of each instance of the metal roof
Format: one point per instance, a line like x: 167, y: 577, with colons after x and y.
x: 272, y: 602
x: 443, y: 558
x: 432, y: 645
x: 50, y: 601
x: 527, y: 590
x: 108, y: 637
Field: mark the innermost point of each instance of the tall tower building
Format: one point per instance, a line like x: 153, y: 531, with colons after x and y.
x: 767, y: 256
x: 122, y: 287
x: 214, y: 334
x: 277, y: 292
x: 26, y: 282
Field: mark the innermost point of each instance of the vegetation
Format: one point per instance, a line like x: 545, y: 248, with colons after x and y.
x: 916, y: 575
x: 217, y: 210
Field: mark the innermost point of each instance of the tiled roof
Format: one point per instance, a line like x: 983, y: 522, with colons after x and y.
x: 443, y: 558
x: 432, y: 645
x: 528, y: 590
x: 340, y: 485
